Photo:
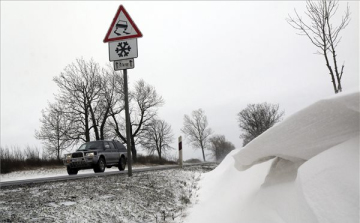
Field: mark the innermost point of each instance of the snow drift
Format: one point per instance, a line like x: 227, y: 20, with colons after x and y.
x: 305, y: 169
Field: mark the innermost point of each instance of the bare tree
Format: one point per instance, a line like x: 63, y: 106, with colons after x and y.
x: 94, y: 99
x: 257, y: 118
x: 323, y: 34
x: 143, y: 104
x: 90, y: 94
x: 157, y: 137
x: 80, y: 84
x: 196, y: 130
x: 55, y: 130
x: 220, y: 147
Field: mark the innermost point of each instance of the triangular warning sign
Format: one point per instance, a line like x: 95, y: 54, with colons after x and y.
x: 122, y: 27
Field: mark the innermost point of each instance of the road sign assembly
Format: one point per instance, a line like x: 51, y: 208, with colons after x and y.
x: 122, y: 38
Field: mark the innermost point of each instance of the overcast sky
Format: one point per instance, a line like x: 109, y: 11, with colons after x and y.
x: 218, y: 56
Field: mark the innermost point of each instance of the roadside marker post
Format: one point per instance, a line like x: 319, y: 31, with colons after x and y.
x: 122, y: 38
x: 180, y: 152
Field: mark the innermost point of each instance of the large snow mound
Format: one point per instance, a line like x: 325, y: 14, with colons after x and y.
x: 307, y: 133
x: 307, y: 170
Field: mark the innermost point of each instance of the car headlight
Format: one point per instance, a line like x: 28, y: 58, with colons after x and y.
x: 68, y: 156
x: 89, y: 154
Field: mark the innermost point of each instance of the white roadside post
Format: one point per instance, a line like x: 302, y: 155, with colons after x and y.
x: 122, y: 38
x: 180, y: 152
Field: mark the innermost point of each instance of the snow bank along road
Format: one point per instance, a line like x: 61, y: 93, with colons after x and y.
x: 87, y: 175
x: 305, y: 169
x: 152, y: 196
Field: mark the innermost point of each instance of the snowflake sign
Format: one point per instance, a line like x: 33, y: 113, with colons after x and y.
x: 123, y: 49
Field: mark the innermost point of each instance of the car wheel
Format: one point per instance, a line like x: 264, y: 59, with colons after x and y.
x: 122, y: 164
x: 100, y: 166
x: 72, y: 171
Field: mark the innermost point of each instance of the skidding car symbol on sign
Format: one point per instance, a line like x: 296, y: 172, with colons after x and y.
x: 121, y: 26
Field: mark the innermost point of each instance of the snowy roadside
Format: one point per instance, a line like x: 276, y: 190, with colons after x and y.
x: 305, y: 169
x: 145, y: 197
x: 51, y: 172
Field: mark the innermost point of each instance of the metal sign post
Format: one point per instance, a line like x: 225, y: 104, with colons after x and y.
x: 129, y: 157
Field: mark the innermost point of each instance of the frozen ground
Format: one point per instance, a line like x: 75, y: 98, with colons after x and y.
x: 145, y: 197
x: 304, y: 169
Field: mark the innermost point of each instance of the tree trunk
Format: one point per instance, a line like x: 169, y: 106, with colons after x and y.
x: 96, y: 130
x: 117, y: 129
x: 58, y: 138
x: 203, y: 154
x: 58, y: 149
x: 331, y: 72
x: 339, y: 88
x: 103, y: 124
x: 87, y: 131
x: 202, y: 148
x: 102, y: 133
x: 160, y: 158
x: 325, y: 48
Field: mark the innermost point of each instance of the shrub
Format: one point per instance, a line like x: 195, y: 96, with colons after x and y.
x: 193, y: 161
x: 15, y: 159
x: 152, y: 159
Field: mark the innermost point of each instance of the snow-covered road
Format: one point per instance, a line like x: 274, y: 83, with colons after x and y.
x: 50, y: 172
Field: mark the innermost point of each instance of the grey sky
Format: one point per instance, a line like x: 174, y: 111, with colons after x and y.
x: 218, y: 56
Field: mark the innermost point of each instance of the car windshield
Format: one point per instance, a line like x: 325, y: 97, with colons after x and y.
x: 91, y: 146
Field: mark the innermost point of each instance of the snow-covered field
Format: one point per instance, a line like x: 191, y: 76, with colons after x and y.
x: 304, y: 169
x: 145, y: 197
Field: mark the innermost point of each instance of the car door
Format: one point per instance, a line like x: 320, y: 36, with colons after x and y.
x: 110, y: 153
x: 107, y: 153
x: 114, y: 153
